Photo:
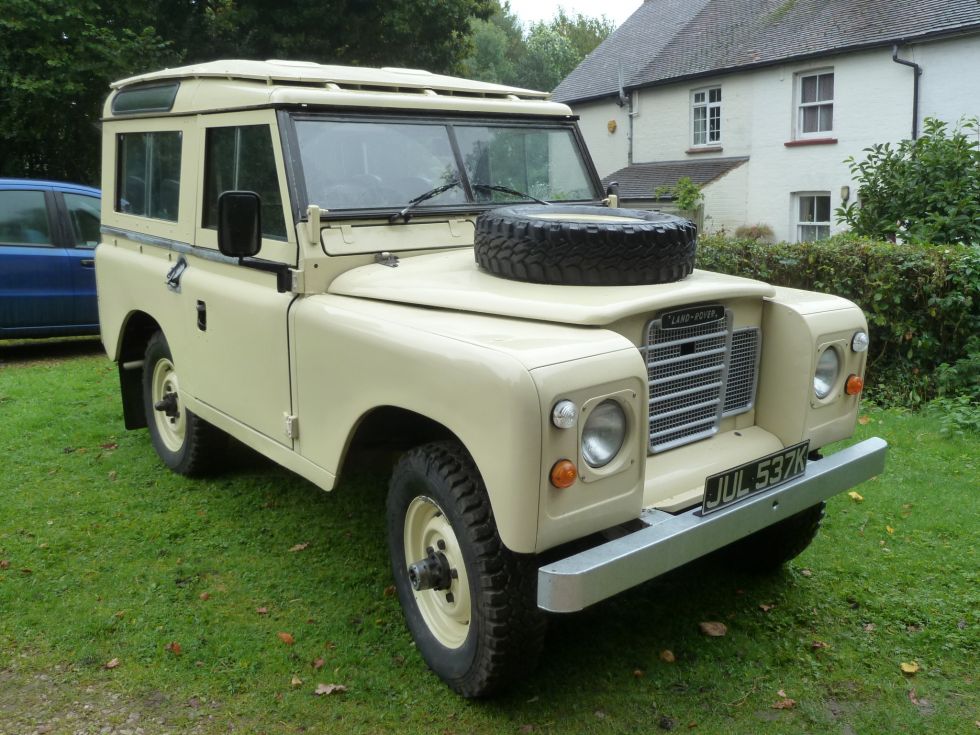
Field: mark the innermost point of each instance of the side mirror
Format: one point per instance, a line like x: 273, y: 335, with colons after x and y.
x: 239, y: 223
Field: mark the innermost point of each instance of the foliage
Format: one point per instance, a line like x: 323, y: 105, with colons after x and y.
x: 922, y: 191
x: 759, y: 231
x: 922, y: 302
x: 56, y: 61
x: 107, y: 558
x: 536, y: 58
x: 686, y: 194
x: 58, y: 57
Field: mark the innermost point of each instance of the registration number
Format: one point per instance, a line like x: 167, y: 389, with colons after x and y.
x: 738, y: 483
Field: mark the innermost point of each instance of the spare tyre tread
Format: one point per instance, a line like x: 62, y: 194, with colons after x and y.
x: 510, y: 242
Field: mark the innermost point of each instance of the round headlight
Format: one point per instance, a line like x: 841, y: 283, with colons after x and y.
x: 825, y: 377
x: 860, y: 342
x: 604, y: 433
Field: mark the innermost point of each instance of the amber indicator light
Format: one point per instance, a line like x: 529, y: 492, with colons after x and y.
x: 854, y: 385
x: 563, y: 474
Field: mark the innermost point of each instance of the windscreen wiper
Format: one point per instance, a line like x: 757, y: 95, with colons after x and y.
x: 412, y: 203
x: 507, y: 190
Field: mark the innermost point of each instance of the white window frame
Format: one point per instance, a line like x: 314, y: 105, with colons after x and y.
x: 800, y: 106
x: 800, y: 224
x: 712, y: 110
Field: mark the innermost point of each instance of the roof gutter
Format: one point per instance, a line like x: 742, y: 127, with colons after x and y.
x: 915, y: 89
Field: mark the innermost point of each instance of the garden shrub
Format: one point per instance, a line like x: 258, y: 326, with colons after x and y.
x: 922, y: 303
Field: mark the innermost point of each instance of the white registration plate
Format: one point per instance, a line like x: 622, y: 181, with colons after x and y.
x: 740, y: 482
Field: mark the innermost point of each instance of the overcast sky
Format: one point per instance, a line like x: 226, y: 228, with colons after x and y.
x: 531, y: 11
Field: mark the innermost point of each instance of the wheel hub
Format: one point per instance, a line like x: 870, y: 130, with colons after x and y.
x: 432, y: 572
x: 168, y: 404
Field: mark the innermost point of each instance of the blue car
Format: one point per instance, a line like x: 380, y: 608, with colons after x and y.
x: 48, y: 234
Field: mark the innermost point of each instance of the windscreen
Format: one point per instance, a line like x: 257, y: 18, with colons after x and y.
x: 379, y: 164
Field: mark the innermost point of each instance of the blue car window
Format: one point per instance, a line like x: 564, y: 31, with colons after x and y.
x: 83, y: 212
x: 24, y: 218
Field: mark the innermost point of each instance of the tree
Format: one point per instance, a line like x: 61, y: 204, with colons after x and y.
x: 538, y: 57
x: 922, y: 191
x: 56, y: 60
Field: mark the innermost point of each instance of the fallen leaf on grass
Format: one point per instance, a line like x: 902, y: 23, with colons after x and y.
x: 389, y: 590
x: 299, y: 547
x: 869, y: 627
x: 864, y: 420
x: 890, y: 530
x: 806, y: 572
x: 25, y: 570
x: 318, y: 663
x: 173, y: 647
x: 817, y: 645
x: 784, y: 703
x: 600, y: 714
x: 4, y: 564
x: 766, y: 608
x: 112, y: 664
x: 204, y: 596
x: 637, y: 673
x: 713, y: 629
x: 323, y: 689
x: 856, y: 496
x: 667, y: 656
x: 113, y: 475
x: 909, y: 668
x: 295, y: 682
x: 286, y: 638
x: 262, y: 610
x: 110, y: 446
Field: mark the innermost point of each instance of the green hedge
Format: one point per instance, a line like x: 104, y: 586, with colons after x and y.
x: 922, y: 302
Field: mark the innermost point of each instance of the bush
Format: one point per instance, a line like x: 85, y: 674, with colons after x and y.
x: 760, y: 231
x: 922, y: 303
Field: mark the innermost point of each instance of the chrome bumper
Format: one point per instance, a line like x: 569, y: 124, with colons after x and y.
x: 670, y: 541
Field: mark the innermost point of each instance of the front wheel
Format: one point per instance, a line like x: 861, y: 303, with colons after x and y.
x: 469, y: 602
x: 186, y: 443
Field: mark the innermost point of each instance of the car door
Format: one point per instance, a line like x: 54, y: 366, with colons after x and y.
x: 36, y: 295
x: 82, y: 217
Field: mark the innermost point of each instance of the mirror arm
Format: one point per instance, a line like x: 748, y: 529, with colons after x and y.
x: 284, y: 276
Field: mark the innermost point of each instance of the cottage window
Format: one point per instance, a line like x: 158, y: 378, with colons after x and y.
x: 816, y: 104
x: 813, y: 216
x: 706, y: 116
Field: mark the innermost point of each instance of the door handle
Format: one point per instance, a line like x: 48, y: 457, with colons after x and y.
x: 87, y: 262
x: 202, y: 316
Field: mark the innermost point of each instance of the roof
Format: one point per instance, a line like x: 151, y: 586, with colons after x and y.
x: 63, y: 186
x: 639, y: 180
x: 668, y: 40
x: 288, y: 73
x: 234, y: 84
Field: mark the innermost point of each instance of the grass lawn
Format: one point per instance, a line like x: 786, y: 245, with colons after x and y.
x: 186, y: 585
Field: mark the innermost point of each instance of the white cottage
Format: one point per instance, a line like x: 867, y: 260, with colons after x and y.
x: 760, y: 101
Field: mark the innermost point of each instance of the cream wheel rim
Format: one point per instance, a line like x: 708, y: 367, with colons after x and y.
x: 446, y: 612
x: 170, y: 429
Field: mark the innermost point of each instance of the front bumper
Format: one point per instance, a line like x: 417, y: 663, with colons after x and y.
x: 670, y: 541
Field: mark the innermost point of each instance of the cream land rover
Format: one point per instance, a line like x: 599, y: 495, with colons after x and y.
x: 310, y: 258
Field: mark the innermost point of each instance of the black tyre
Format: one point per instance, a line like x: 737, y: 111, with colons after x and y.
x: 186, y: 443
x: 584, y: 245
x: 471, y: 607
x: 767, y: 550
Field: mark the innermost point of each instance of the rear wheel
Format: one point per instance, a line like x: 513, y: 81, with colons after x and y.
x: 767, y: 550
x: 469, y: 602
x: 186, y: 443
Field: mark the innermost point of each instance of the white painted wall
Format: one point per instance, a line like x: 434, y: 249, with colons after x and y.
x: 872, y: 104
x: 950, y: 83
x: 609, y: 149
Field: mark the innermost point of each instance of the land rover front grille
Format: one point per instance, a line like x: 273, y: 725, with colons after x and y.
x: 698, y: 375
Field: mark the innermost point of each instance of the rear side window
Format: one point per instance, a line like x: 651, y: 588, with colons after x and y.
x: 241, y: 159
x: 24, y: 218
x: 83, y: 212
x: 148, y: 179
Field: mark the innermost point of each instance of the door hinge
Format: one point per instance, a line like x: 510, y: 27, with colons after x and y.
x: 292, y: 426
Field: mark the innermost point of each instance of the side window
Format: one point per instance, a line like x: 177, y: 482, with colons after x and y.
x: 24, y: 218
x: 83, y: 211
x: 148, y: 175
x: 241, y: 159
